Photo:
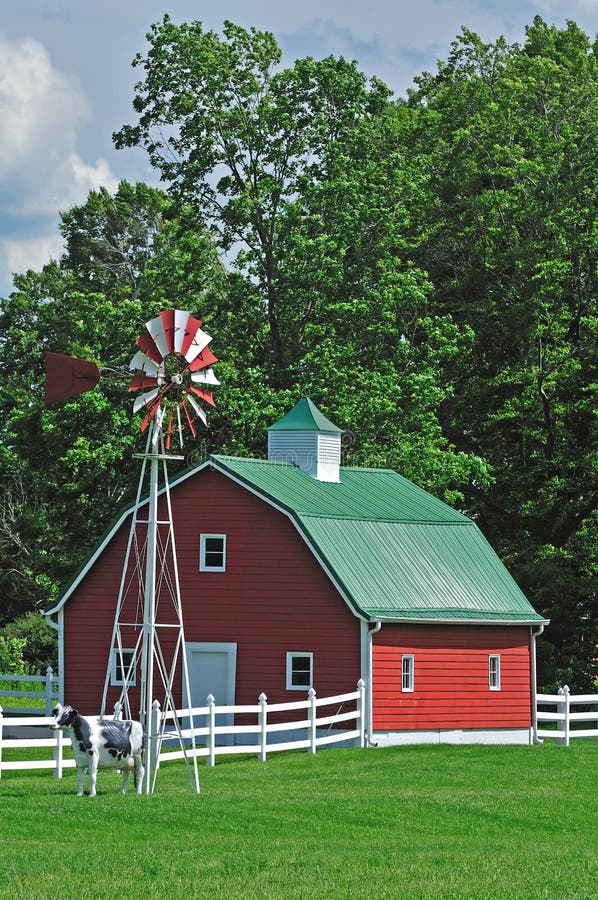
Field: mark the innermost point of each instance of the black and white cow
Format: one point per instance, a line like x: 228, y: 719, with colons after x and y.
x: 101, y: 744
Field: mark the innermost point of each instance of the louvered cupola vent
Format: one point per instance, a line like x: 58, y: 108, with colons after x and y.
x: 306, y: 438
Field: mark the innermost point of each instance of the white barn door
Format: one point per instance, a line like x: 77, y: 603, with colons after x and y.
x: 212, y: 670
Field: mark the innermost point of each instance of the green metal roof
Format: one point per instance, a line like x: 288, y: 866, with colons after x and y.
x: 395, y: 551
x: 305, y: 416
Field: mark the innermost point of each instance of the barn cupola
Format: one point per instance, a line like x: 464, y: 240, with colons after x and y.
x: 308, y: 439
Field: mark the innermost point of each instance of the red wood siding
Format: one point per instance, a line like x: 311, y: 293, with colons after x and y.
x: 273, y: 598
x: 451, y: 677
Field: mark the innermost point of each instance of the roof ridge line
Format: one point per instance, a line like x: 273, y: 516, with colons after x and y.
x: 310, y: 515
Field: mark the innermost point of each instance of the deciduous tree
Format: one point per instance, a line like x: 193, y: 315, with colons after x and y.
x: 510, y: 135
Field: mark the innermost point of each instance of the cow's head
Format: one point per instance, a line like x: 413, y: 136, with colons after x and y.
x: 63, y: 716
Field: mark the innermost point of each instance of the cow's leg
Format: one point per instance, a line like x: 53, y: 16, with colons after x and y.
x: 125, y: 771
x: 139, y: 772
x: 93, y: 772
x: 81, y: 770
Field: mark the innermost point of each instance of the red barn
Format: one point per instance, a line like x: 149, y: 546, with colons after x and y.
x: 295, y: 572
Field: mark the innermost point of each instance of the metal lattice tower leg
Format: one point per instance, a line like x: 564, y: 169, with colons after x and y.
x: 149, y: 615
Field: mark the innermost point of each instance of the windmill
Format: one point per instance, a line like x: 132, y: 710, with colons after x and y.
x: 173, y: 375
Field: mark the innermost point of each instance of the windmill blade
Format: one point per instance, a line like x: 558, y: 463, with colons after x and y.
x: 150, y: 418
x: 179, y: 424
x: 146, y: 342
x: 167, y: 317
x: 181, y: 318
x: 154, y: 408
x: 206, y: 396
x: 192, y: 326
x: 169, y: 431
x: 197, y: 409
x: 158, y: 336
x: 157, y: 413
x: 145, y: 399
x: 192, y: 428
x: 205, y: 377
x: 199, y: 342
x: 67, y: 376
x: 143, y: 362
x: 143, y: 381
x: 202, y: 360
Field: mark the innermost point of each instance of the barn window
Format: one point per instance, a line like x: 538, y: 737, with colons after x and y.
x: 300, y: 670
x: 121, y: 667
x: 407, y: 679
x: 212, y: 553
x: 494, y: 673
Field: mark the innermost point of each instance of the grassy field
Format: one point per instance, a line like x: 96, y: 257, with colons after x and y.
x: 442, y: 822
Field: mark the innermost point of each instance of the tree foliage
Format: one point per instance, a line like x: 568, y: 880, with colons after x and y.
x: 37, y: 641
x: 509, y: 135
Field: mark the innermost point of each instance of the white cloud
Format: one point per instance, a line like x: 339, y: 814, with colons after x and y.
x: 33, y: 96
x: 42, y: 111
x: 31, y: 253
x: 67, y: 185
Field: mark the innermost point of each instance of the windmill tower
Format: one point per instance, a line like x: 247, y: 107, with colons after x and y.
x: 174, y: 375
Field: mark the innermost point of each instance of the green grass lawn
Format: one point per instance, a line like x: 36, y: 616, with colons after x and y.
x: 434, y: 821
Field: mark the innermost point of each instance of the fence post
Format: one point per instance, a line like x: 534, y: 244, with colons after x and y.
x: 311, y: 696
x: 263, y: 719
x: 211, y: 759
x: 49, y: 675
x: 1, y: 717
x: 361, y: 711
x: 58, y: 754
x: 564, y: 726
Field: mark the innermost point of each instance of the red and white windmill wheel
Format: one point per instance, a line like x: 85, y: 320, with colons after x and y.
x: 175, y: 373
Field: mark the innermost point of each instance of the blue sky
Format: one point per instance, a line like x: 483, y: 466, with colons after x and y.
x: 66, y: 82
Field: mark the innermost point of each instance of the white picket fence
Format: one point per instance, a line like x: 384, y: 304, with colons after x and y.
x: 560, y: 712
x: 43, y: 687
x: 317, y: 728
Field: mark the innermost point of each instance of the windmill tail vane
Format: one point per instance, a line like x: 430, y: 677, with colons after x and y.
x: 68, y: 377
x: 173, y: 371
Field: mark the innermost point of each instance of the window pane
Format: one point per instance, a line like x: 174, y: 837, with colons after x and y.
x: 122, y: 669
x: 407, y: 673
x: 494, y: 672
x: 212, y: 552
x: 301, y: 671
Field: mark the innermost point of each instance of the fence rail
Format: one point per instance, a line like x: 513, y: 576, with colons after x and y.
x: 263, y: 736
x: 211, y: 739
x: 568, y: 724
x: 44, y: 688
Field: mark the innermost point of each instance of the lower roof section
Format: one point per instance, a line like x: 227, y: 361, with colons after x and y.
x: 393, y: 550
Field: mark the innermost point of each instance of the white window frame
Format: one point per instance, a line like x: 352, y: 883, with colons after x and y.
x: 127, y: 655
x: 407, y: 673
x: 296, y: 654
x: 494, y: 672
x: 203, y: 566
